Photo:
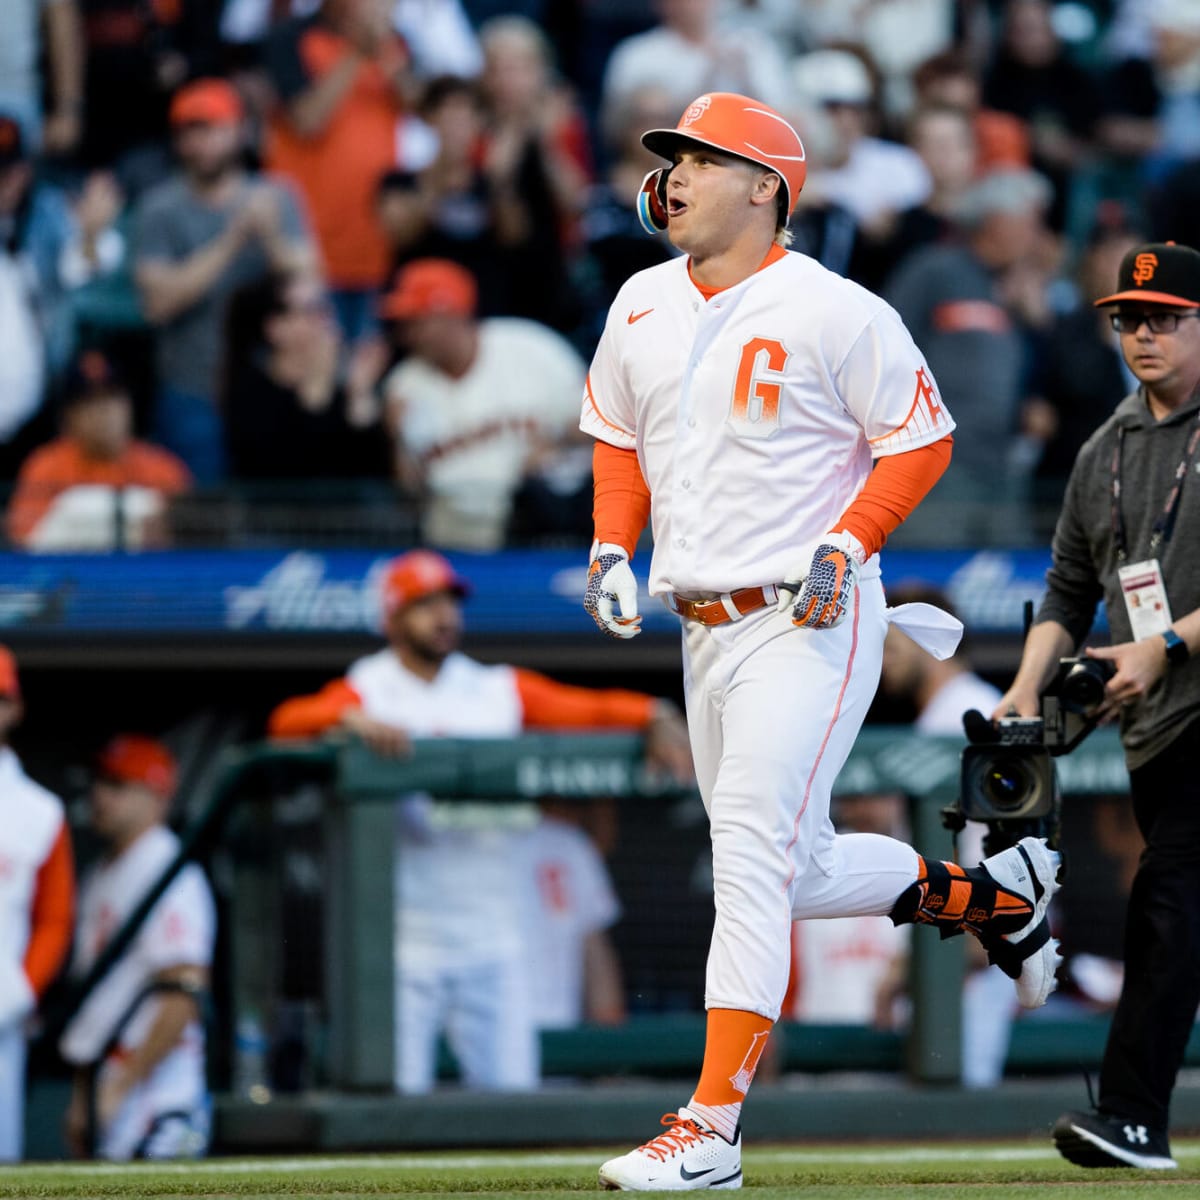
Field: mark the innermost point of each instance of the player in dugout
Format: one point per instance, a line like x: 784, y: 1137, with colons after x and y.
x: 461, y: 961
x: 775, y: 422
x: 37, y: 900
x: 138, y: 1041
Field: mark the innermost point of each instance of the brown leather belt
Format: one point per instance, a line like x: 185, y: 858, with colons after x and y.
x: 718, y: 611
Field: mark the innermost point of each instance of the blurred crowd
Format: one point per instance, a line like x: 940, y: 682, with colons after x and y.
x: 375, y: 240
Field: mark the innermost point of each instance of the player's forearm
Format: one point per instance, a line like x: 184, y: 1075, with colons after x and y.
x: 52, y: 916
x: 546, y: 703
x: 621, y: 499
x: 603, y: 995
x: 892, y: 491
x: 308, y: 716
x: 176, y: 1011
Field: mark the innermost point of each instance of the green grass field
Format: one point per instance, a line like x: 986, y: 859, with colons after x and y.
x: 990, y: 1171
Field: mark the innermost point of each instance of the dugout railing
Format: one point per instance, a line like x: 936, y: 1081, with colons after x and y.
x: 358, y: 836
x: 358, y: 792
x: 348, y: 1102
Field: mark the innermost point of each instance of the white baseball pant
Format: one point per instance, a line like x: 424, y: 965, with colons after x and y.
x: 488, y: 1018
x: 12, y: 1092
x: 773, y: 712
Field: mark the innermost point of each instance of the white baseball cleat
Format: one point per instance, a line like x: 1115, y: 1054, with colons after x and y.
x: 687, y: 1157
x: 1030, y: 869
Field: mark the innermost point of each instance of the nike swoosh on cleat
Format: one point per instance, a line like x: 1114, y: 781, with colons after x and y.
x: 634, y: 318
x: 686, y: 1175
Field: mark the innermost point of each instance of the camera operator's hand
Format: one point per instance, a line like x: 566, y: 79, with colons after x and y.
x: 1138, y: 666
x: 1018, y: 702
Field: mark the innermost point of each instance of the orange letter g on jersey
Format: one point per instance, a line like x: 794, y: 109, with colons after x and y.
x: 755, y: 409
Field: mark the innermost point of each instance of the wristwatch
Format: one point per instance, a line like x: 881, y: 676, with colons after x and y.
x: 1177, y: 648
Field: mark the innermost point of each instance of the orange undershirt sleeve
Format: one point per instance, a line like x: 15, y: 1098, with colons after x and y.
x: 621, y: 499
x: 307, y: 716
x: 548, y: 704
x: 52, y: 914
x: 895, y: 487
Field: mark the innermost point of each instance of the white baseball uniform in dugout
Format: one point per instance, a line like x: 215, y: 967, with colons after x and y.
x: 180, y: 931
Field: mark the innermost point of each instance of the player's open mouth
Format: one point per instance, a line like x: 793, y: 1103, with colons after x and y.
x: 675, y: 207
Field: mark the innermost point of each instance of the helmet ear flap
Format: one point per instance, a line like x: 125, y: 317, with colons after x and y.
x: 652, y: 201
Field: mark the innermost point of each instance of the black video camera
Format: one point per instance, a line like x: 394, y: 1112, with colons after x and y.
x: 1007, y: 778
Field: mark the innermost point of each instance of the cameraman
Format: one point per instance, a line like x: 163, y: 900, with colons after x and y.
x: 1127, y: 535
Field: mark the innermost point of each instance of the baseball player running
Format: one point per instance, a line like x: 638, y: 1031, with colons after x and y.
x: 776, y: 423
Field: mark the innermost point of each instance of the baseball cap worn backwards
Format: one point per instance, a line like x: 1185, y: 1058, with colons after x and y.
x: 429, y: 287
x: 206, y: 102
x: 1158, y: 273
x: 133, y: 758
x: 418, y: 574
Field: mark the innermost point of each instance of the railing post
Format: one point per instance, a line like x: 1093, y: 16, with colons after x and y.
x: 937, y: 970
x: 360, y: 941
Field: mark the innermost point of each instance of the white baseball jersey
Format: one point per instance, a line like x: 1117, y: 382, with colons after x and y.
x: 458, y: 891
x: 457, y: 888
x: 756, y: 414
x: 473, y: 435
x: 944, y: 712
x: 839, y: 966
x: 179, y: 932
x: 569, y: 896
x: 32, y: 821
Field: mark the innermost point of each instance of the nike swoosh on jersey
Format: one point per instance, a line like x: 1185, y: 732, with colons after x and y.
x: 634, y: 318
x: 685, y: 1174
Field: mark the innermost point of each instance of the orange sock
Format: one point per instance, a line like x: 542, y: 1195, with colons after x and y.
x: 734, y: 1043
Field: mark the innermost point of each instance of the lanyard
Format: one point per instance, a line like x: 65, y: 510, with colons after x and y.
x: 1165, y: 524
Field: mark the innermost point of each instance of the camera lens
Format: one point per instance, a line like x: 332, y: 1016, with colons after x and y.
x: 1007, y: 783
x: 1083, y: 686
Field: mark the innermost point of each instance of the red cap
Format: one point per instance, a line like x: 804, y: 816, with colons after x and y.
x: 429, y: 287
x: 10, y: 686
x: 206, y: 102
x: 132, y: 758
x: 417, y: 574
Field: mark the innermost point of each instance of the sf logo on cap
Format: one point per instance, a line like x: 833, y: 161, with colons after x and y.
x: 1143, y: 268
x: 696, y: 110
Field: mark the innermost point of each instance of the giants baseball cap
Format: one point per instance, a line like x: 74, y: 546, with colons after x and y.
x: 429, y: 287
x: 10, y: 685
x: 1158, y: 273
x: 132, y: 758
x: 417, y: 574
x: 206, y: 102
x: 740, y: 126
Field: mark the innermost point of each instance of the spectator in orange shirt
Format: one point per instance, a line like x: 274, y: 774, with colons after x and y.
x: 343, y: 81
x: 96, y: 487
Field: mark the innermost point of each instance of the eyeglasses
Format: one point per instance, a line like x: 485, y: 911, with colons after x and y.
x: 1157, y: 322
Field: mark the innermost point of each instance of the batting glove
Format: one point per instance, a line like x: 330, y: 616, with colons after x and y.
x: 610, y: 578
x: 819, y: 592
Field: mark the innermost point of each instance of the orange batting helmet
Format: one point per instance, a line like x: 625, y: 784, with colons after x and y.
x: 735, y: 125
